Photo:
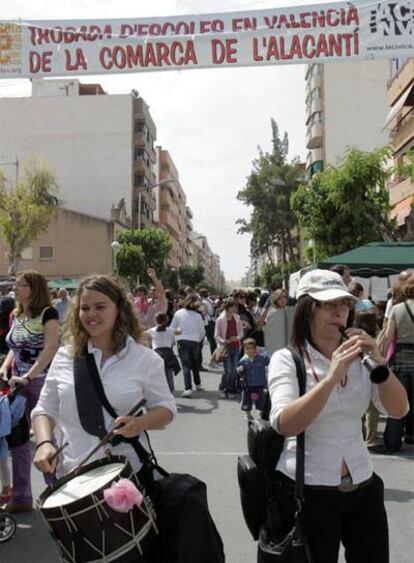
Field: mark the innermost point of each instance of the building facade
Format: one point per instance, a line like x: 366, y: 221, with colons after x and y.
x: 171, y: 208
x: 346, y: 105
x: 75, y: 245
x: 99, y: 146
x: 400, y: 125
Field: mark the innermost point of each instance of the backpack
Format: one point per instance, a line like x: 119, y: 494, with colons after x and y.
x: 255, y: 470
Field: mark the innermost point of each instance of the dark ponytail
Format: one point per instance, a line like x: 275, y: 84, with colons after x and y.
x: 162, y: 322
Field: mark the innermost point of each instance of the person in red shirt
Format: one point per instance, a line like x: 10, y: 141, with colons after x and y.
x: 228, y: 334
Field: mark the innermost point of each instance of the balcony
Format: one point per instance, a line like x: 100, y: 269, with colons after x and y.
x: 400, y: 81
x: 316, y: 105
x: 139, y: 166
x: 314, y: 136
x: 403, y: 131
x: 316, y: 81
x: 400, y: 189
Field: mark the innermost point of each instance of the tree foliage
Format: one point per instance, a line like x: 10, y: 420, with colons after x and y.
x: 155, y: 246
x: 191, y: 275
x: 275, y: 273
x: 268, y: 190
x: 347, y: 206
x: 26, y: 209
x: 130, y: 262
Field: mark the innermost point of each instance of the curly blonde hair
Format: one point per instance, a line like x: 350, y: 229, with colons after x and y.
x: 126, y: 324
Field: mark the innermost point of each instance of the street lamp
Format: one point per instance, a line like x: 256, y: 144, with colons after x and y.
x: 150, y: 187
x: 115, y: 247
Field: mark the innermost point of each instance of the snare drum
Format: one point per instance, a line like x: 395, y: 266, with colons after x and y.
x: 85, y: 528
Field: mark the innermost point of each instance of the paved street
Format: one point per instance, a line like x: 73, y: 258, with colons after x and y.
x: 205, y: 441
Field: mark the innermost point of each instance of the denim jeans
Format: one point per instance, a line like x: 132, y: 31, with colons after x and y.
x: 402, y: 365
x: 228, y: 382
x: 188, y: 351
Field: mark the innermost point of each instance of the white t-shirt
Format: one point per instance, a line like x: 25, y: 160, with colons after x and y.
x: 191, y: 324
x: 335, y: 434
x: 162, y: 338
x: 136, y: 372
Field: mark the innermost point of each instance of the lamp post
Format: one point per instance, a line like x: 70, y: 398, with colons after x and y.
x: 150, y: 187
x: 115, y: 247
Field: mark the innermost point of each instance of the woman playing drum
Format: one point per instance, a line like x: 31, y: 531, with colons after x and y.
x: 101, y: 321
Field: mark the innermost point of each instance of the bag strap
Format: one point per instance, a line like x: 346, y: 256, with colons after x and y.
x: 300, y: 439
x: 144, y: 456
x: 410, y: 314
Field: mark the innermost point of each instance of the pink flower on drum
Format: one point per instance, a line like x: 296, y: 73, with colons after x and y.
x: 123, y: 495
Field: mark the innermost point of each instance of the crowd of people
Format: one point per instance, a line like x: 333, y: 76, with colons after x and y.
x: 43, y: 334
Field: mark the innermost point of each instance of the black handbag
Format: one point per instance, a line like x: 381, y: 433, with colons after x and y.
x: 264, y: 444
x: 252, y: 494
x: 294, y: 547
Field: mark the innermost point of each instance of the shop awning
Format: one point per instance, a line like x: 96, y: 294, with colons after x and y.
x: 402, y: 209
x: 405, y: 99
x: 375, y: 259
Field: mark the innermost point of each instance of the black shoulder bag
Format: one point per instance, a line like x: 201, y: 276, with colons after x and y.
x: 187, y: 531
x: 255, y: 470
x: 293, y: 548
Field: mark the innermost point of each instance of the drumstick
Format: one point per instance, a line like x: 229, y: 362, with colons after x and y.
x: 133, y: 412
x: 57, y: 452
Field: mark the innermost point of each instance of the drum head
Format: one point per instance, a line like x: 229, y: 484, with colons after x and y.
x: 83, y: 485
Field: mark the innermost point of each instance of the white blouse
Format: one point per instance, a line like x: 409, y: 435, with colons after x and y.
x: 336, y: 434
x: 136, y: 372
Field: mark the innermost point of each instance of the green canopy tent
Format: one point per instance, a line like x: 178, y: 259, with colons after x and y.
x: 68, y: 283
x: 375, y: 259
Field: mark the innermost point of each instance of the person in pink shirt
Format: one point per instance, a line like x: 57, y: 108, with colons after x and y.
x: 146, y: 309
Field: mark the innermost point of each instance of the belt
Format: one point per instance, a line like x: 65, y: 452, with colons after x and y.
x: 346, y: 485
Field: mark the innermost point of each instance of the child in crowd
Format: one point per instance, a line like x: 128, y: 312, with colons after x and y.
x: 252, y: 376
x: 162, y: 340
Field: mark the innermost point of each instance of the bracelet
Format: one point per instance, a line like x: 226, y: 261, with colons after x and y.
x: 44, y: 442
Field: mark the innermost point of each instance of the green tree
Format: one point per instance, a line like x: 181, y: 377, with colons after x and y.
x: 275, y: 273
x: 26, y: 209
x: 130, y: 262
x: 268, y: 190
x: 155, y: 245
x: 191, y: 275
x: 348, y: 205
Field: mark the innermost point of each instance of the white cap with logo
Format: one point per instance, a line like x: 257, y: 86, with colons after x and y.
x: 323, y: 285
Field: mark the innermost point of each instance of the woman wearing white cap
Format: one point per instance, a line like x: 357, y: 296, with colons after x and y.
x: 343, y: 497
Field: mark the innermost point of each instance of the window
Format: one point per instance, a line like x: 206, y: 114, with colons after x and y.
x: 140, y: 127
x: 46, y: 253
x: 142, y: 153
x: 140, y: 180
x: 27, y: 253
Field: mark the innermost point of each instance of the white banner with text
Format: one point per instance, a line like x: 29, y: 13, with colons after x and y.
x: 337, y: 31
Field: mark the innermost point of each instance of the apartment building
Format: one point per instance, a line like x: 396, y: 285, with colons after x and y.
x: 346, y: 105
x: 400, y: 125
x: 75, y: 245
x: 171, y: 209
x: 210, y: 262
x: 100, y: 146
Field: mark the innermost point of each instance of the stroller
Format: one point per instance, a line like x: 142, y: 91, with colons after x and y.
x: 14, y: 431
